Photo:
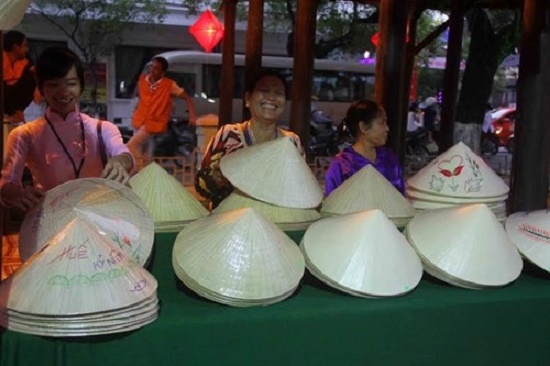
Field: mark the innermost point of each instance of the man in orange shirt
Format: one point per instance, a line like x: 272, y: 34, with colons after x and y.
x: 18, y: 76
x: 154, y: 108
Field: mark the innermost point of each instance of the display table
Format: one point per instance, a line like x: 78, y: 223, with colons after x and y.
x: 435, y: 325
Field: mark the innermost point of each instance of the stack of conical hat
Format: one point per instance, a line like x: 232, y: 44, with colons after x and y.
x: 284, y: 217
x: 78, y: 284
x: 465, y: 246
x: 366, y: 190
x: 12, y: 12
x: 110, y: 208
x: 168, y: 201
x: 458, y: 177
x: 238, y: 258
x: 273, y: 172
x: 530, y: 232
x: 362, y: 254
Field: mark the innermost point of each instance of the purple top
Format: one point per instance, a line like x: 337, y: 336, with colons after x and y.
x: 349, y: 161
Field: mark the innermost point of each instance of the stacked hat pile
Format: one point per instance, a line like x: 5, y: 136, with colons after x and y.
x: 168, y: 201
x: 362, y: 254
x: 238, y: 258
x: 274, y: 179
x: 530, y: 232
x: 367, y: 190
x: 458, y: 177
x: 82, y: 278
x: 108, y: 208
x: 465, y: 246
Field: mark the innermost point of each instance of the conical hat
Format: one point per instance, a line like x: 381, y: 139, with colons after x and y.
x: 275, y: 214
x: 166, y: 199
x: 362, y: 253
x: 12, y: 12
x: 79, y: 271
x: 459, y: 172
x: 530, y: 232
x: 367, y: 190
x: 113, y: 209
x: 466, y: 242
x: 239, y: 255
x: 273, y: 172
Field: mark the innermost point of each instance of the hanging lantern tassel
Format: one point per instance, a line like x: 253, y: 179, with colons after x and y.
x: 207, y: 30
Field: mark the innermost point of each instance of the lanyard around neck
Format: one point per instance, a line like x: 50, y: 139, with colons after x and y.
x: 83, y: 139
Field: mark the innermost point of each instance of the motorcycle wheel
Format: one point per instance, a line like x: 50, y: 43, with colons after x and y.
x: 489, y: 147
x: 510, y: 146
x: 420, y: 150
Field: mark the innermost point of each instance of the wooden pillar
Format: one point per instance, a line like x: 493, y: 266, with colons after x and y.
x: 304, y: 41
x: 390, y: 70
x: 1, y: 143
x: 452, y: 74
x: 530, y: 168
x: 254, y: 45
x: 410, y: 54
x: 227, y: 80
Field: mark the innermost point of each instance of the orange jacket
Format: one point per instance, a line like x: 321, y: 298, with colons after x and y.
x: 12, y: 73
x: 154, y: 106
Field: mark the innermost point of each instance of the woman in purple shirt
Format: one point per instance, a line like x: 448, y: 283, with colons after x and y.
x: 366, y: 122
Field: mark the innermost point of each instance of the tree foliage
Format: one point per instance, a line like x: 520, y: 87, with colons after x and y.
x: 343, y: 27
x: 95, y: 27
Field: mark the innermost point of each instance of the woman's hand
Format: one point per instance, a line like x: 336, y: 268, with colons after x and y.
x: 22, y: 198
x: 117, y: 168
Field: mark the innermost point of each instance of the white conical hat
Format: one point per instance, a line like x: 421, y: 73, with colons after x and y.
x: 113, y: 209
x: 530, y: 232
x: 458, y: 172
x: 466, y: 242
x: 275, y: 214
x: 12, y: 12
x: 77, y: 272
x: 273, y: 172
x: 362, y: 253
x: 366, y: 190
x: 238, y: 255
x: 166, y: 199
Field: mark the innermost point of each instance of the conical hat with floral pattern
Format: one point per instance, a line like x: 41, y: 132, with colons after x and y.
x: 459, y: 172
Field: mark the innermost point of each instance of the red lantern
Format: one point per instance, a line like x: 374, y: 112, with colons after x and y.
x: 374, y: 39
x: 207, y: 30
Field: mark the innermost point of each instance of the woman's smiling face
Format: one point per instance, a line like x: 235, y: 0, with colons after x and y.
x: 268, y: 100
x: 62, y: 94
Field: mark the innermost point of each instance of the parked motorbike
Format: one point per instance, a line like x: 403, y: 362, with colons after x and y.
x: 179, y: 140
x: 323, y: 137
x: 418, y: 144
x: 489, y: 144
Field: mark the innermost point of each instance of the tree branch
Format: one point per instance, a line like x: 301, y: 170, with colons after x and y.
x: 431, y: 37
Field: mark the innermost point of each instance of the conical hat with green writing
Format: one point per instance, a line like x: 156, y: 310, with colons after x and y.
x: 79, y: 271
x: 113, y: 210
x: 458, y: 172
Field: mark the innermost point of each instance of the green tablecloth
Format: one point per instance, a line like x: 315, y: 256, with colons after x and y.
x: 435, y: 325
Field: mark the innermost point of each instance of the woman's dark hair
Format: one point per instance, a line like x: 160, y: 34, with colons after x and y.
x: 263, y: 73
x: 55, y: 63
x: 361, y: 110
